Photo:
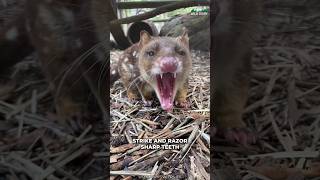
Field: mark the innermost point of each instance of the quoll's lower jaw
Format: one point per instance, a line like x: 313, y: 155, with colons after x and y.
x: 166, y: 83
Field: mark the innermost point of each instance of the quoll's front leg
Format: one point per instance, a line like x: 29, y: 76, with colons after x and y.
x: 229, y: 106
x: 60, y: 44
x: 147, y: 93
x: 129, y: 82
x: 181, y: 97
x: 142, y: 91
x: 131, y: 85
x: 132, y: 95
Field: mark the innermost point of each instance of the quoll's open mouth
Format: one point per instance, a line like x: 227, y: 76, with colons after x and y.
x: 166, y: 83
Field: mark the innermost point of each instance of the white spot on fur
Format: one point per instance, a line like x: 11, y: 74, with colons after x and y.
x: 113, y: 72
x: 124, y: 67
x: 134, y: 53
x: 130, y: 66
x: 126, y: 59
x: 12, y: 34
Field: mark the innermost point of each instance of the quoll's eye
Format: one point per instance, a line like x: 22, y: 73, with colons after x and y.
x: 150, y: 53
x: 181, y: 52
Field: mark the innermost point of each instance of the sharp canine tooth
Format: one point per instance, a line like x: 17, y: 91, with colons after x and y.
x: 161, y: 75
x: 175, y: 75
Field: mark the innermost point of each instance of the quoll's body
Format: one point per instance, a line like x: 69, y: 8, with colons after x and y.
x: 233, y: 32
x: 160, y: 65
x: 69, y: 38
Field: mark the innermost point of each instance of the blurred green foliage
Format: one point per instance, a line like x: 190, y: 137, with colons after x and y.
x: 168, y: 15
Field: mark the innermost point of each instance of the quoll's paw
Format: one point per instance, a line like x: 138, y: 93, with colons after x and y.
x: 182, y: 104
x: 68, y: 108
x: 147, y: 103
x: 133, y: 99
x: 242, y: 136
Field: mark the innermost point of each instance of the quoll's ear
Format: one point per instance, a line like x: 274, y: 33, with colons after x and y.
x: 144, y: 38
x: 184, y: 38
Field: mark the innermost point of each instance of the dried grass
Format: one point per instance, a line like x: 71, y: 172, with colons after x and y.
x: 283, y: 107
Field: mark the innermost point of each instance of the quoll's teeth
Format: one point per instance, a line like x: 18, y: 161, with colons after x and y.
x: 175, y: 75
x: 161, y: 75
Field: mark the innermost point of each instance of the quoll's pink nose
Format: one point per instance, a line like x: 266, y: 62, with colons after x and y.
x: 168, y: 64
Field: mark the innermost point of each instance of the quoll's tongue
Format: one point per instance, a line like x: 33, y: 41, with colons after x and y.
x: 166, y: 85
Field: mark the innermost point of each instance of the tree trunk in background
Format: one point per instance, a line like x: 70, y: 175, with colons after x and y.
x: 198, y: 30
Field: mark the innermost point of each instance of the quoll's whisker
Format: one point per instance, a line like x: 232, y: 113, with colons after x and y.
x: 234, y: 42
x: 84, y: 73
x: 136, y: 79
x: 67, y: 37
x: 77, y: 61
x: 102, y: 74
x: 75, y: 64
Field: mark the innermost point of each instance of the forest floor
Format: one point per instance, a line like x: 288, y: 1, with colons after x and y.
x: 284, y: 100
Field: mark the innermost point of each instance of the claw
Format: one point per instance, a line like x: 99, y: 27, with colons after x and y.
x: 182, y: 104
x: 240, y: 135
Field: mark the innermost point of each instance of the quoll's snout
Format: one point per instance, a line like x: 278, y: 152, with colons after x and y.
x: 168, y: 64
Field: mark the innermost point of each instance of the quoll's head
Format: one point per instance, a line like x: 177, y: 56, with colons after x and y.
x: 165, y: 63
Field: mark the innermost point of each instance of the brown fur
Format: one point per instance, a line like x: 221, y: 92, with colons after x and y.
x: 233, y: 36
